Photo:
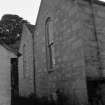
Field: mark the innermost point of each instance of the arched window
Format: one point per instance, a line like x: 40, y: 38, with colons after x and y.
x: 49, y: 36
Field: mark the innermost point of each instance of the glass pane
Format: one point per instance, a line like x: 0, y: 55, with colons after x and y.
x: 50, y: 31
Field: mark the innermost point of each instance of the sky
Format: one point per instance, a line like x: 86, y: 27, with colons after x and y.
x: 102, y: 0
x: 27, y: 9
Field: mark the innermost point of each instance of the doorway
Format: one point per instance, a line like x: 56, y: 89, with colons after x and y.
x: 14, y: 80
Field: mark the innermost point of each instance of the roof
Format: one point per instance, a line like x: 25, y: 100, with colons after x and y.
x: 9, y: 48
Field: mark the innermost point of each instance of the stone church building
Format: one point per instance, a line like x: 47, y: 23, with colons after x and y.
x: 70, y: 48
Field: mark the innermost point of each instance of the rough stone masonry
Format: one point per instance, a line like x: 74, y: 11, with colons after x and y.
x: 75, y: 47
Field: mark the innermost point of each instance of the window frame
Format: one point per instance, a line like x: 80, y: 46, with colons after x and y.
x: 49, y: 40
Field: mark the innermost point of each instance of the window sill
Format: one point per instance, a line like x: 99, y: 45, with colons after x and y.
x: 53, y: 69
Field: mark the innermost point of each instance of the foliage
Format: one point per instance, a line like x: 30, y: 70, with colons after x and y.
x: 11, y: 28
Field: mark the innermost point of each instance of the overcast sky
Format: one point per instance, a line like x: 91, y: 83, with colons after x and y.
x: 27, y: 9
x: 102, y: 0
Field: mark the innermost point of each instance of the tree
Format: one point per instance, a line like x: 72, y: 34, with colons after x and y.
x: 11, y: 28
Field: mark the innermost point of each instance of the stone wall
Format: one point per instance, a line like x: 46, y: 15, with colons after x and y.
x: 99, y: 12
x: 89, y: 40
x: 25, y: 65
x: 69, y: 70
x: 5, y: 75
x: 92, y: 19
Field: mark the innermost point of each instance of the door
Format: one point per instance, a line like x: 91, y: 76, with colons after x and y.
x: 14, y: 79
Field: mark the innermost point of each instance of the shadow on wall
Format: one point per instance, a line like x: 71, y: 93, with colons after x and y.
x: 57, y: 98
